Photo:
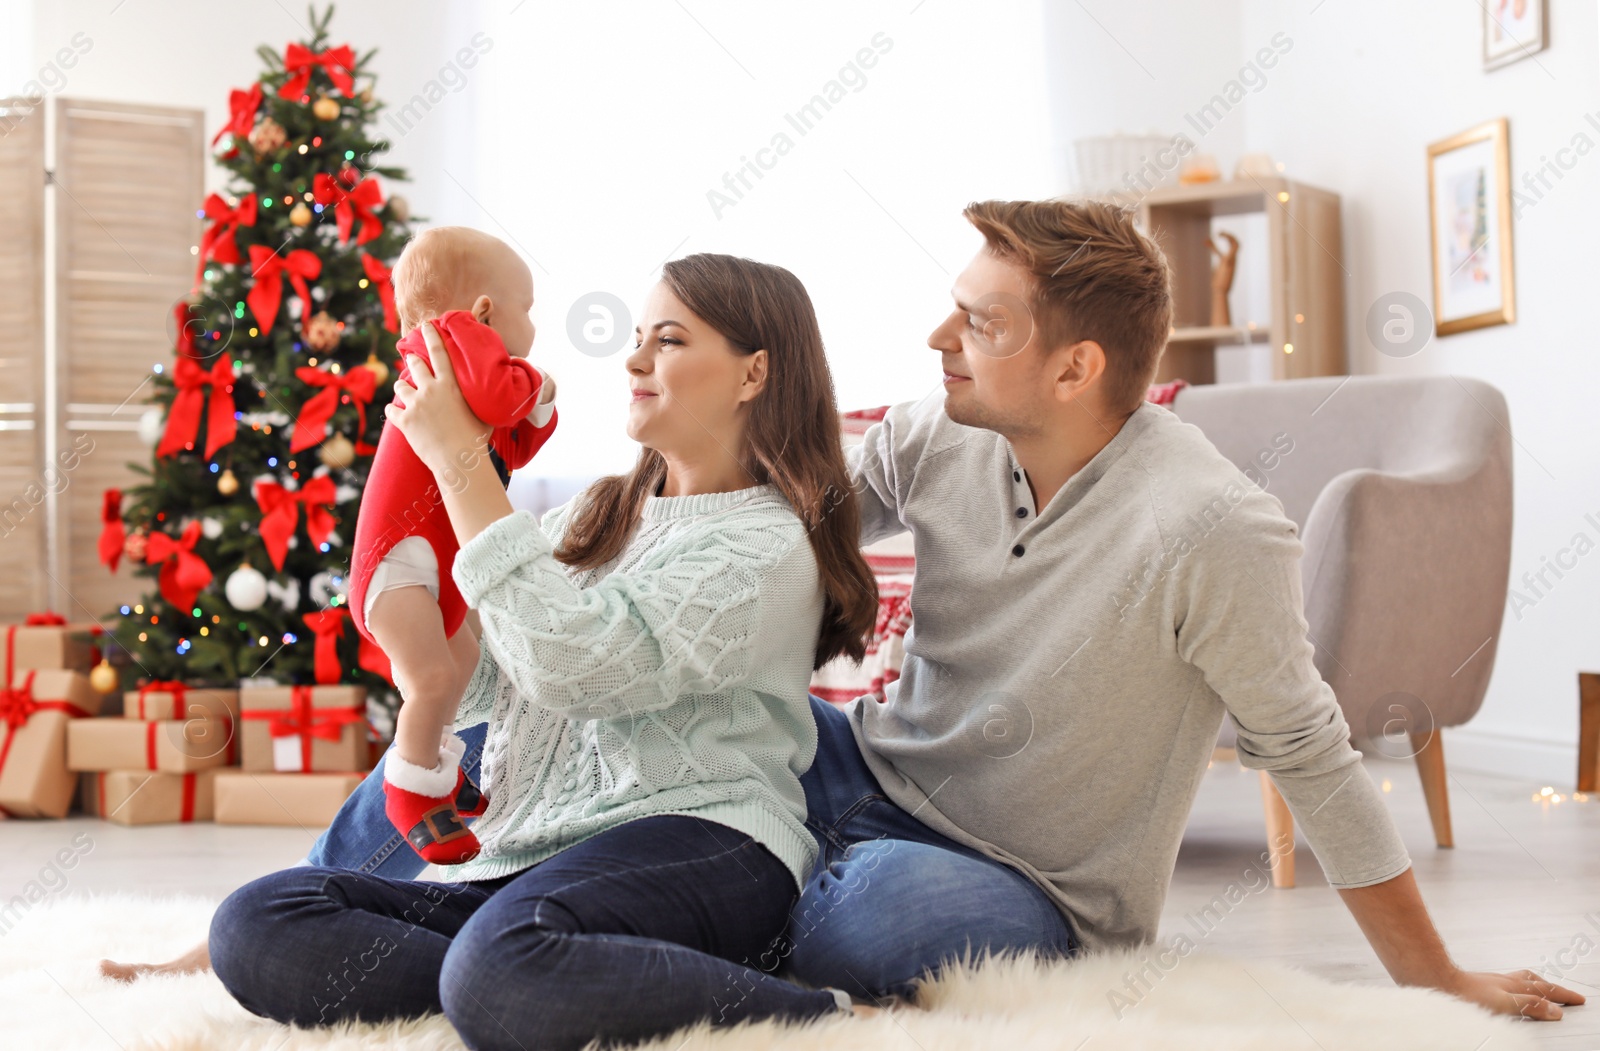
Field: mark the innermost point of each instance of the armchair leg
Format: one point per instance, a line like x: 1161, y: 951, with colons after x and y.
x: 1280, y: 833
x: 1588, y: 732
x: 1435, y: 784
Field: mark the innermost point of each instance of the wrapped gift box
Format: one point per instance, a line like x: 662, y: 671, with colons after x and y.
x: 307, y: 800
x: 140, y: 797
x: 35, y: 711
x: 174, y: 746
x: 304, y: 729
x: 56, y: 647
x: 175, y: 700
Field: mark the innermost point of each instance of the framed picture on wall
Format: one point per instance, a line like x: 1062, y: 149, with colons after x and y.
x: 1512, y: 30
x: 1469, y: 208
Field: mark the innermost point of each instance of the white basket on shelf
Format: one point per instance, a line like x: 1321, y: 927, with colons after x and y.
x: 1119, y: 164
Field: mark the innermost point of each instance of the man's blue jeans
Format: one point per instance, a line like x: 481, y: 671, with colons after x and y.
x: 889, y: 900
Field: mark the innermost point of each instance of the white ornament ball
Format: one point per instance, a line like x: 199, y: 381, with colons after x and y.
x: 246, y: 589
x: 152, y: 422
x: 211, y: 527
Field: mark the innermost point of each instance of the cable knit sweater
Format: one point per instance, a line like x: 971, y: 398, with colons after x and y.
x: 672, y: 681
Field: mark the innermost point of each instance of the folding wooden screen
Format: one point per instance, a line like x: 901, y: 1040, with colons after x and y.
x: 119, y: 202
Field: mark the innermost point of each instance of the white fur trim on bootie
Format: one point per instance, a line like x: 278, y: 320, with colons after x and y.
x: 436, y: 783
x: 450, y: 744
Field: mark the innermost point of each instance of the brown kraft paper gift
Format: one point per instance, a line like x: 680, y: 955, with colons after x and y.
x: 36, y: 707
x: 304, y: 729
x: 308, y: 800
x: 173, y: 746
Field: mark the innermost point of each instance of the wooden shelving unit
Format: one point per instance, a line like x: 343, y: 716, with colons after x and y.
x: 1305, y: 274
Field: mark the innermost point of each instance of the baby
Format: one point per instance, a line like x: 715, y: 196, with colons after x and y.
x: 477, y: 294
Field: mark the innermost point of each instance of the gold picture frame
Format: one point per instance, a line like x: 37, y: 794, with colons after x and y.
x: 1469, y: 228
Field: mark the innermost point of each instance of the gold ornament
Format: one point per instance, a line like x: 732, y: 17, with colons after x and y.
x: 323, y: 333
x: 103, y: 677
x: 300, y: 215
x: 378, y: 369
x: 267, y: 135
x: 227, y: 483
x: 325, y: 109
x: 337, y: 452
x: 366, y: 95
x: 399, y: 208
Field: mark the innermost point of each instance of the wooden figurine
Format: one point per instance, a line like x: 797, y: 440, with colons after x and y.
x: 1222, y: 278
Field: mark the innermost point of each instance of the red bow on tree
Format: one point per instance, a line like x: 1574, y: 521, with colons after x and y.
x: 242, y: 106
x: 328, y: 626
x: 280, y: 511
x: 183, y: 573
x: 266, y: 295
x: 337, y: 62
x: 381, y: 278
x: 355, y: 203
x: 112, y: 535
x: 358, y: 383
x: 183, y: 419
x: 217, y: 243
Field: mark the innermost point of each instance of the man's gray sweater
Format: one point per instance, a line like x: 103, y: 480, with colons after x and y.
x: 1068, y: 667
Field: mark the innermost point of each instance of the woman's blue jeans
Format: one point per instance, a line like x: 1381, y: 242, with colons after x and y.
x: 889, y: 900
x: 648, y: 927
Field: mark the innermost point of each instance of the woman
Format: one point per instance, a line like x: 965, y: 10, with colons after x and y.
x: 646, y: 652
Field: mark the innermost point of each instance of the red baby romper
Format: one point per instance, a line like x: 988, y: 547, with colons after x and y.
x: 401, y: 499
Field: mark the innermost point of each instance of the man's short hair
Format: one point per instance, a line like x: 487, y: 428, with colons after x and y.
x: 1094, y: 276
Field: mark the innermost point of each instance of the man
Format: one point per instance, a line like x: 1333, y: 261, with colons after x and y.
x: 1096, y: 586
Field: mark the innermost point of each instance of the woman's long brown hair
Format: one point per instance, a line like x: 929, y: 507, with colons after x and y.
x: 792, y: 433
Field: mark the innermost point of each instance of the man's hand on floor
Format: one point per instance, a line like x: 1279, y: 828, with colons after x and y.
x: 1518, y: 993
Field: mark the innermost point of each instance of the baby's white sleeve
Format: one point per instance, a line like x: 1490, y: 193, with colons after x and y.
x: 546, y: 406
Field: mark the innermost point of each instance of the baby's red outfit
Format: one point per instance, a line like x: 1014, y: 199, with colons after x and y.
x: 401, y: 498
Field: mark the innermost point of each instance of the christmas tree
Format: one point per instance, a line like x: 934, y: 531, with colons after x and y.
x: 265, y: 421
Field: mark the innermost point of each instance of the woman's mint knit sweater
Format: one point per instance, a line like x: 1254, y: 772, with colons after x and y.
x: 672, y: 681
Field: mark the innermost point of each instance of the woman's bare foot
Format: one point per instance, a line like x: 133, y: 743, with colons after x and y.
x: 195, y: 960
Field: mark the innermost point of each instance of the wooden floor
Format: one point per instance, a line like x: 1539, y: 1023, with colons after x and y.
x: 1520, y: 889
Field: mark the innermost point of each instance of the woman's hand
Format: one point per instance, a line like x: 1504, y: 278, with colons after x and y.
x: 435, y: 417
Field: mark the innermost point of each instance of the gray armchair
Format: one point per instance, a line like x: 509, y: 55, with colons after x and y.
x: 1401, y: 487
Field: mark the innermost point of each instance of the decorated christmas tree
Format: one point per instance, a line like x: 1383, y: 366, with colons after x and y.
x: 265, y: 421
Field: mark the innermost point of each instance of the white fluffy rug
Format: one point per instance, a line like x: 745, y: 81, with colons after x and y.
x: 51, y: 996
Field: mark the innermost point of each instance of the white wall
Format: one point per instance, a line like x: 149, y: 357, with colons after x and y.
x: 589, y: 136
x: 606, y: 142
x: 1352, y: 106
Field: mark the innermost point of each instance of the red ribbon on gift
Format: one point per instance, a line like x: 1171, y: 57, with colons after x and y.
x: 269, y: 268
x: 242, y: 107
x: 183, y: 573
x: 302, y: 719
x: 218, y: 243
x: 183, y: 418
x: 112, y: 535
x: 298, y: 61
x: 280, y: 513
x: 349, y: 205
x: 381, y: 278
x: 186, y: 811
x: 17, y: 705
x: 328, y: 626
x: 179, y: 691
x: 359, y: 383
